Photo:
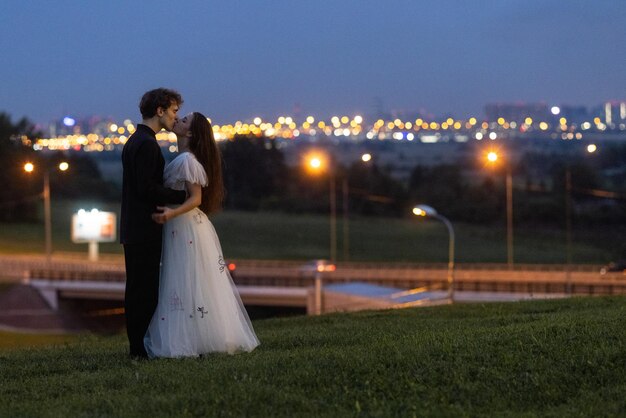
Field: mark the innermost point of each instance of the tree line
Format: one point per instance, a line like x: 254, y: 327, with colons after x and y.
x: 257, y: 178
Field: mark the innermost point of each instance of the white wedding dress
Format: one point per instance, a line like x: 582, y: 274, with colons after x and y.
x: 199, y: 309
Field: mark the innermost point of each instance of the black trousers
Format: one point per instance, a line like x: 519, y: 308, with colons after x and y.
x: 142, y: 291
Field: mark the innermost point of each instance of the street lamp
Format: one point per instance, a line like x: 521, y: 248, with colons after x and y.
x: 29, y: 168
x: 316, y: 163
x: 366, y: 159
x: 425, y: 210
x: 568, y: 229
x: 492, y: 158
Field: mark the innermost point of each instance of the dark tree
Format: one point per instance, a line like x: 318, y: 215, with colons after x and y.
x: 254, y: 172
x: 374, y: 192
x: 19, y: 194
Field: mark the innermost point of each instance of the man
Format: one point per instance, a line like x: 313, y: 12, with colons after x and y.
x: 143, y: 190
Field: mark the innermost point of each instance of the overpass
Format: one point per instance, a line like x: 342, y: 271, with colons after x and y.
x: 293, y: 283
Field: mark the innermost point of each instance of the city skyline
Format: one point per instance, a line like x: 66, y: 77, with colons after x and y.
x: 243, y: 59
x: 488, y: 114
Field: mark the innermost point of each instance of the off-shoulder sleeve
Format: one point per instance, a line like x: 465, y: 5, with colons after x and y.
x: 186, y: 168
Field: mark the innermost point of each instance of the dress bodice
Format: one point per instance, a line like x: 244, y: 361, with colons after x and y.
x: 185, y: 167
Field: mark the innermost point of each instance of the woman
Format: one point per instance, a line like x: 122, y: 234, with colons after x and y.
x: 199, y: 309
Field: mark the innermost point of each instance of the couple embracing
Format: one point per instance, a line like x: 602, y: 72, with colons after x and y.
x: 180, y: 300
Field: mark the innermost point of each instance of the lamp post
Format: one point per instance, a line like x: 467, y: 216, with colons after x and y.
x: 345, y: 186
x: 425, y: 210
x: 333, y: 217
x: 316, y: 163
x: 568, y: 230
x: 509, y: 217
x: 591, y: 148
x: 492, y: 158
x: 47, y: 213
x: 346, y: 228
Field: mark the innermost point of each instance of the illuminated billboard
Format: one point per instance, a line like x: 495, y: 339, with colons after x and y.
x: 93, y: 226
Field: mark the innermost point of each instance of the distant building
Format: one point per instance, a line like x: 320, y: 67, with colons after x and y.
x: 518, y: 112
x: 575, y: 114
x: 409, y: 115
x: 68, y: 125
x: 614, y: 112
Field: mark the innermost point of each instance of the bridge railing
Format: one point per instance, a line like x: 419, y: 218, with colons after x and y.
x: 291, y: 273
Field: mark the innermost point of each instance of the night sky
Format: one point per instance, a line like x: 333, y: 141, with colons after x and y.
x: 239, y: 59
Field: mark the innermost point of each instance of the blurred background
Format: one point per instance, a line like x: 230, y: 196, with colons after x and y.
x: 334, y: 120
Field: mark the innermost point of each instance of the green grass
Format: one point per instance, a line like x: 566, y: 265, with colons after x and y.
x: 540, y: 358
x: 275, y: 235
x: 284, y: 236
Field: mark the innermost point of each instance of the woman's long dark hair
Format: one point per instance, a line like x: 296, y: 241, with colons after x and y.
x: 202, y: 144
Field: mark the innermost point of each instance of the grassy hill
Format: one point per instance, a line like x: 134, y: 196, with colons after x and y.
x: 547, y: 358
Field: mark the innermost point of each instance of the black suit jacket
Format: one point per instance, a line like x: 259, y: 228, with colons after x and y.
x: 142, y: 188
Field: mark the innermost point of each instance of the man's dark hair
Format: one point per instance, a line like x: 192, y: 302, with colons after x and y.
x: 156, y: 98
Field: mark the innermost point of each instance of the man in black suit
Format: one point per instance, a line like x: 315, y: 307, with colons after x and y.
x: 143, y: 190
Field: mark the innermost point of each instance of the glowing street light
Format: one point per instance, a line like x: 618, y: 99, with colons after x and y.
x: 29, y: 168
x: 315, y: 164
x: 492, y: 158
x: 591, y: 148
x: 425, y: 210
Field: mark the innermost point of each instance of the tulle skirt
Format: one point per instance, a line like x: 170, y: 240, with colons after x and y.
x: 199, y: 309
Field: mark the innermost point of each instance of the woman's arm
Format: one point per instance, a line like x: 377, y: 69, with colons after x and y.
x: 193, y: 201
